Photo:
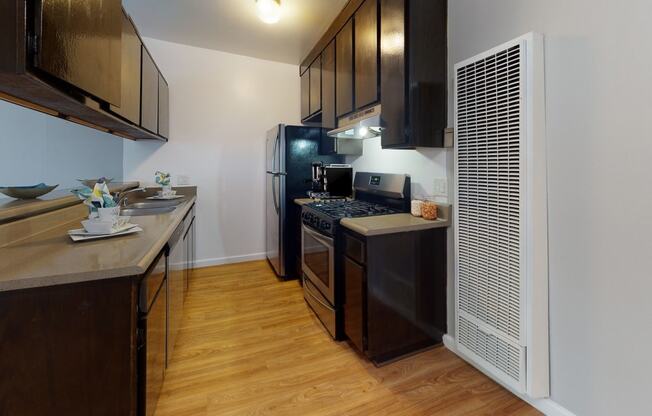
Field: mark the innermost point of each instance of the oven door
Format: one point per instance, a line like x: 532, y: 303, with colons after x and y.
x: 318, y: 261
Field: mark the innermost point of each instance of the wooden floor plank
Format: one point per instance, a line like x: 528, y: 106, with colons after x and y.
x: 249, y: 345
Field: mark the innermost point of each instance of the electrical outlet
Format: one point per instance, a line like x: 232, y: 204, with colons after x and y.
x: 440, y: 187
x: 183, y: 180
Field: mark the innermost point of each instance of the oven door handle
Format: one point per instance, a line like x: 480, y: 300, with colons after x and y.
x: 327, y: 241
x: 307, y: 284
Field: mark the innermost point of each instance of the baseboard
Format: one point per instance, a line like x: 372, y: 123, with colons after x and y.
x: 547, y: 406
x: 229, y: 260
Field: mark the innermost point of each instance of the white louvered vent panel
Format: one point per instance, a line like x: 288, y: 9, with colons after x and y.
x: 504, y: 356
x: 489, y: 172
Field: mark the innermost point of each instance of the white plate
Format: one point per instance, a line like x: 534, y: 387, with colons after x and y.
x: 165, y: 197
x: 81, y: 234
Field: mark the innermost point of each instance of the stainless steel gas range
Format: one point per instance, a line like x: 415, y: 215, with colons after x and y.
x: 375, y: 194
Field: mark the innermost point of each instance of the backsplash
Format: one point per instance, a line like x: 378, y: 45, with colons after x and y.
x: 427, y: 167
x: 36, y: 147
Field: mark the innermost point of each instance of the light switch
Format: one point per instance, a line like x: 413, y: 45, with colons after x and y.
x: 440, y: 187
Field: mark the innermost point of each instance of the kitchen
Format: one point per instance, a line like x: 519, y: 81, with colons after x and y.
x: 191, y: 313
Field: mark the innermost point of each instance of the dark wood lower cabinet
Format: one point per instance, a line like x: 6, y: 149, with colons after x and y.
x: 95, y: 348
x: 395, y: 292
x: 69, y: 350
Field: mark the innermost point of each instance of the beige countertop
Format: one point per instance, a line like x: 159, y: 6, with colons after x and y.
x: 304, y: 201
x: 51, y: 258
x: 396, y: 223
x: 12, y: 209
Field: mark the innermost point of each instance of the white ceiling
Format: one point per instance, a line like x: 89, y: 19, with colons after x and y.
x: 233, y: 25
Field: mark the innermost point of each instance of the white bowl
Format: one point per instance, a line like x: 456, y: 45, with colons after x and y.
x: 166, y: 193
x: 109, y: 214
x: 98, y: 226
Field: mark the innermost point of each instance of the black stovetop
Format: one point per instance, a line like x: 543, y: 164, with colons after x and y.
x: 338, y: 209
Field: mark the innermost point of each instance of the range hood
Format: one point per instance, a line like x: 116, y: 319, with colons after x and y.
x: 363, y: 124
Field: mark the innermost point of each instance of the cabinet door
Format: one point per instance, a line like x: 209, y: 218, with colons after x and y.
x: 186, y: 264
x: 344, y: 70
x: 366, y: 54
x: 163, y: 107
x: 149, y: 93
x: 354, y: 313
x: 129, y: 107
x: 305, y: 94
x: 80, y: 43
x: 328, y: 118
x: 155, y: 338
x: 315, y: 86
x: 392, y: 77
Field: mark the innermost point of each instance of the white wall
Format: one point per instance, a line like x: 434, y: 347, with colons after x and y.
x: 598, y: 89
x: 221, y: 106
x: 423, y: 164
x: 36, y: 147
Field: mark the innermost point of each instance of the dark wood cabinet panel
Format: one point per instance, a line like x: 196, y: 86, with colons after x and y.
x: 149, y: 93
x: 328, y: 118
x: 315, y: 86
x: 392, y: 76
x: 305, y: 94
x: 163, y: 107
x: 155, y: 354
x: 427, y: 72
x: 344, y: 70
x: 414, y: 73
x: 69, y: 349
x: 402, y: 294
x: 354, y: 314
x: 129, y: 107
x: 366, y: 54
x: 80, y: 43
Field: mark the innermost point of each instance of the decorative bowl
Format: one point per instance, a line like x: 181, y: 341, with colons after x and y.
x: 91, y: 182
x: 27, y: 192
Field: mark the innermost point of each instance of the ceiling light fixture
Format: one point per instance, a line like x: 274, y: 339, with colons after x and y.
x: 269, y: 11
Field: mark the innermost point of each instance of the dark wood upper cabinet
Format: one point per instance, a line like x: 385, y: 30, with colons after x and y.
x: 366, y: 54
x: 328, y: 117
x: 78, y: 61
x: 344, y: 70
x: 163, y: 107
x: 392, y: 76
x: 327, y: 144
x: 315, y: 86
x: 79, y: 42
x: 413, y: 73
x: 149, y: 93
x: 129, y: 107
x: 305, y: 94
x: 393, y: 52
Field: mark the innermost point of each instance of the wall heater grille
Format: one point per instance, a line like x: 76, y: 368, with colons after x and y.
x: 492, y: 213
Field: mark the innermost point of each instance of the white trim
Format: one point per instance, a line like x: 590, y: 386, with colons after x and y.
x: 547, y: 406
x: 229, y: 260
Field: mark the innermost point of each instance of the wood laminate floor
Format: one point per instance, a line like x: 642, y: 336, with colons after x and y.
x: 249, y: 345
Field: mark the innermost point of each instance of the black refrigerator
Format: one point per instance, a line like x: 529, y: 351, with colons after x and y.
x: 289, y: 156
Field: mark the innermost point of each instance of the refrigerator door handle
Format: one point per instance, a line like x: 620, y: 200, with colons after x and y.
x: 277, y: 173
x: 276, y: 207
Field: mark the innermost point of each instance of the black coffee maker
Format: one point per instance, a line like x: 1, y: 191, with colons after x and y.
x: 334, y: 181
x: 318, y: 177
